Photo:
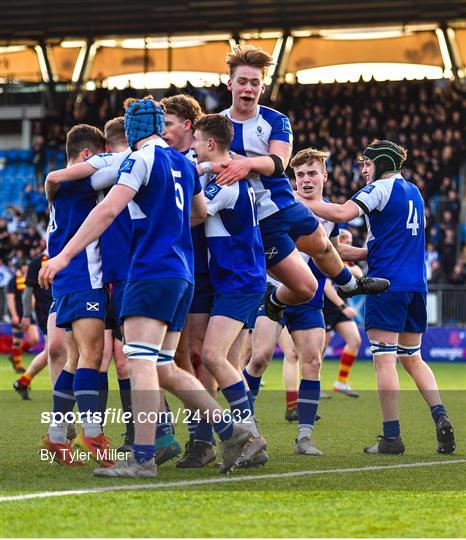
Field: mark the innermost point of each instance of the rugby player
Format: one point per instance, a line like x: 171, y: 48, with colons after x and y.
x: 237, y: 272
x: 305, y: 322
x: 155, y: 182
x: 339, y: 318
x: 395, y: 321
x: 263, y: 137
x: 80, y: 302
x: 42, y: 302
x: 14, y: 295
x: 181, y: 114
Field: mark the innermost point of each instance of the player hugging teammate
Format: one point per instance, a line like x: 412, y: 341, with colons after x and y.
x: 249, y: 221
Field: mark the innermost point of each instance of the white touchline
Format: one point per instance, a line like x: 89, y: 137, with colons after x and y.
x: 227, y: 479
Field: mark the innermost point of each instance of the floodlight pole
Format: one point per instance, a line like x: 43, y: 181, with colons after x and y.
x: 87, y: 50
x: 451, y: 52
x: 280, y: 67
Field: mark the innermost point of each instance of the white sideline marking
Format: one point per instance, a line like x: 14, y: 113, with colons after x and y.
x: 227, y: 479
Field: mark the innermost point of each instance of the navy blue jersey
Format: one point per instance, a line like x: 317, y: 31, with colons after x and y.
x: 165, y: 182
x: 236, y: 253
x: 72, y: 204
x: 395, y: 222
x: 115, y: 242
x: 252, y: 139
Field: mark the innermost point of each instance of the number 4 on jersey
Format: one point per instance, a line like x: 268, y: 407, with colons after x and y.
x: 412, y: 221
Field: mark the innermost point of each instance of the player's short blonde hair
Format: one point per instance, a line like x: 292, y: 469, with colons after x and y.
x: 309, y: 155
x: 247, y: 55
x: 182, y: 106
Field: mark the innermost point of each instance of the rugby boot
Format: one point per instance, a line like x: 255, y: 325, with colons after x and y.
x: 187, y: 449
x: 386, y: 446
x: 61, y: 453
x: 23, y: 391
x: 199, y: 455
x: 445, y: 436
x: 258, y: 460
x: 232, y: 448
x: 306, y: 447
x: 291, y: 414
x: 273, y: 312
x: 98, y: 447
x: 365, y: 285
x: 344, y: 388
x: 128, y: 468
x: 166, y: 448
x: 252, y: 448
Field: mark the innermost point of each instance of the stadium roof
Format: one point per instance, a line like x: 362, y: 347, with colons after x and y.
x: 36, y: 20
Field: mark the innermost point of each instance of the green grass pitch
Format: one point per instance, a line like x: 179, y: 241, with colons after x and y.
x: 292, y: 496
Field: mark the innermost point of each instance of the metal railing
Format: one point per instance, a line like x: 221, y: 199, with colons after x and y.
x: 446, y: 305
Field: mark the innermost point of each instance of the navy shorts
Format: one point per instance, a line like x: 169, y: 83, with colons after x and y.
x: 164, y: 299
x: 303, y: 317
x: 241, y: 307
x: 397, y: 311
x: 281, y: 230
x: 118, y: 288
x: 203, y: 294
x: 87, y: 304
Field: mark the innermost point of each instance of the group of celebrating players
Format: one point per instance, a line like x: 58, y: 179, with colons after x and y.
x: 189, y: 233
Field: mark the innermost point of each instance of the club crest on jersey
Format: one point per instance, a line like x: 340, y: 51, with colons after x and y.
x: 127, y: 166
x: 92, y: 306
x: 368, y: 189
x: 286, y: 125
x: 259, y: 130
x: 211, y: 190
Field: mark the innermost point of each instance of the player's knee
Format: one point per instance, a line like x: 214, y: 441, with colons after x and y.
x: 260, y: 360
x: 211, y: 358
x: 354, y: 343
x: 56, y: 350
x: 310, y: 366
x: 306, y: 290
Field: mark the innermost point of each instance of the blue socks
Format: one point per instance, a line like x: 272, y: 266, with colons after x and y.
x: 437, y: 411
x: 63, y: 402
x: 391, y: 429
x: 86, y: 391
x: 143, y: 452
x: 254, y: 382
x: 343, y: 278
x: 204, y: 432
x: 238, y: 400
x: 308, y: 402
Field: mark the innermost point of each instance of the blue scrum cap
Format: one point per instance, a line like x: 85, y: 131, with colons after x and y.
x: 143, y: 118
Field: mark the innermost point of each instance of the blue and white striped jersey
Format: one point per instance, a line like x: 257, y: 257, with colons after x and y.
x: 236, y: 253
x: 252, y: 139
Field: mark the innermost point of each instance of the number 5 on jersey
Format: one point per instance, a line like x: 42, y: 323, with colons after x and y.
x: 179, y: 195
